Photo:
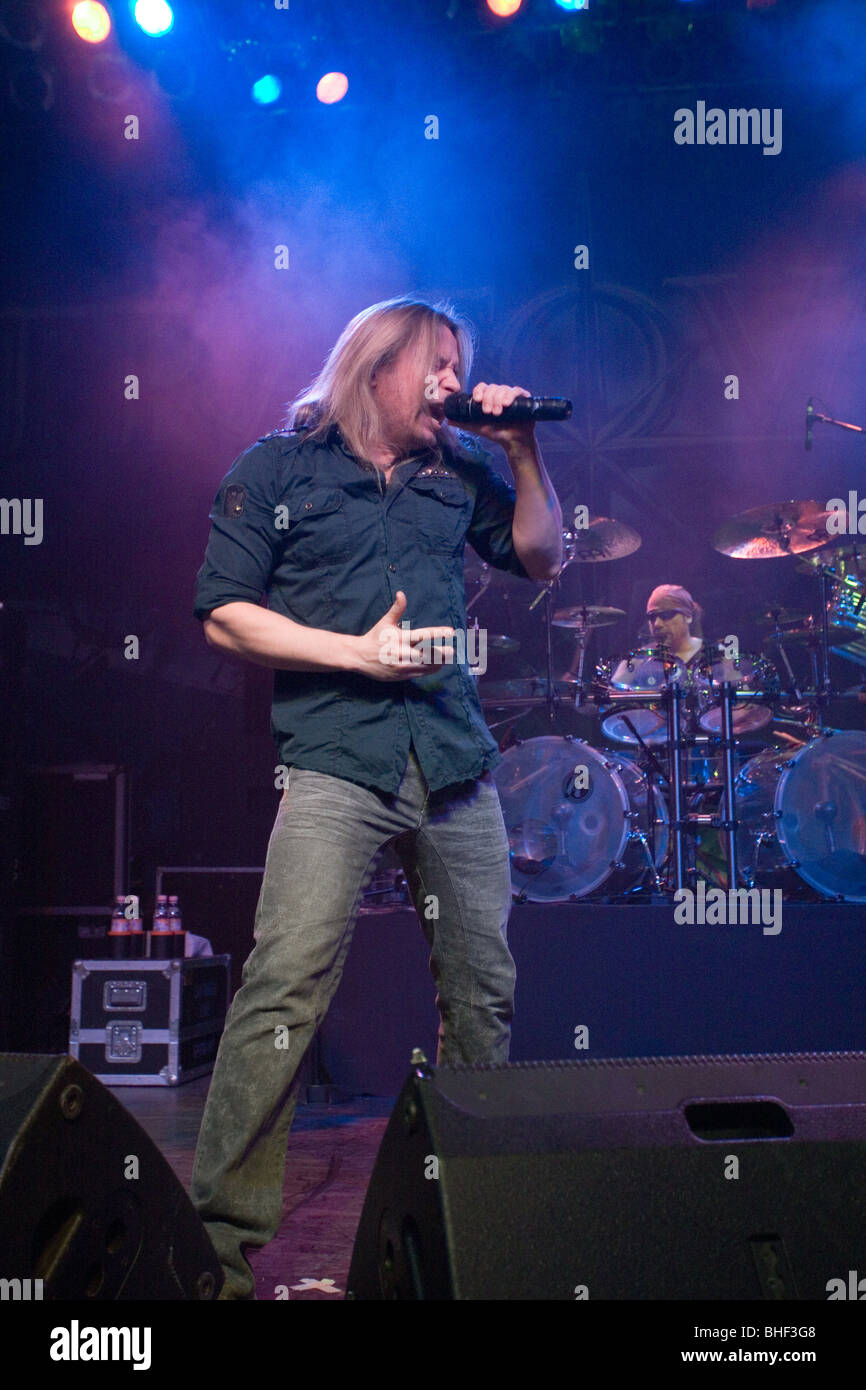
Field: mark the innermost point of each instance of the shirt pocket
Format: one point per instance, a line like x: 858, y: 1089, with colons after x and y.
x: 440, y: 512
x: 318, y: 531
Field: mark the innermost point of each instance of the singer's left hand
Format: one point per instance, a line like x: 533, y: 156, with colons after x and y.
x: 492, y: 399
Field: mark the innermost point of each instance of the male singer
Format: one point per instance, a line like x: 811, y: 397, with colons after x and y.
x: 353, y: 523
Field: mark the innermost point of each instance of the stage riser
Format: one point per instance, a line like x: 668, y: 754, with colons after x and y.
x: 640, y: 983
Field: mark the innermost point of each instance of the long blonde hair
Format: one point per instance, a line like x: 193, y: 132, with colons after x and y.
x: 342, y: 394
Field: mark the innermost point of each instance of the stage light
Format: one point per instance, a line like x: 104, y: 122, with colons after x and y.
x: 267, y: 89
x: 332, y: 87
x: 573, y: 4
x: 153, y: 16
x: 91, y: 21
x: 504, y: 9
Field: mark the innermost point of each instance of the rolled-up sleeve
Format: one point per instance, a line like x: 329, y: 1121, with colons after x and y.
x: 244, y: 537
x: 489, y: 531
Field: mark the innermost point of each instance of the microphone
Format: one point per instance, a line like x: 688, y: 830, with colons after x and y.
x: 810, y: 411
x: 460, y: 406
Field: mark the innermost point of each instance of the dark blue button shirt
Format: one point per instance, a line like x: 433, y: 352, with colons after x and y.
x: 305, y: 522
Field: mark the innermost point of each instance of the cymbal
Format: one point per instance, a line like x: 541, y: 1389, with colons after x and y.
x: 526, y: 691
x: 501, y: 642
x: 774, y: 530
x: 602, y: 539
x: 586, y: 615
x: 778, y: 615
x: 809, y: 633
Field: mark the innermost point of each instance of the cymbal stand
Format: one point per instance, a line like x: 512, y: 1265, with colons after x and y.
x: 548, y: 642
x: 823, y: 689
x: 777, y: 634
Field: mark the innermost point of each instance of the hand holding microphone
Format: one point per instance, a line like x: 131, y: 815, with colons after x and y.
x: 484, y: 401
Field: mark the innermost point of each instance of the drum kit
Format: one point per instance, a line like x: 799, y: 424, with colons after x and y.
x: 678, y: 781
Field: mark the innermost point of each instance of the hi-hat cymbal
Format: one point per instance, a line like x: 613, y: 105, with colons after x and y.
x: 586, y: 615
x: 602, y: 539
x: 777, y: 529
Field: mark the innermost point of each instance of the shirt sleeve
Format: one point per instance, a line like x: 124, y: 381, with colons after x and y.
x: 244, y: 538
x: 489, y: 531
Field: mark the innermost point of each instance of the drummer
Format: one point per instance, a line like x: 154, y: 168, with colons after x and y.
x: 675, y: 621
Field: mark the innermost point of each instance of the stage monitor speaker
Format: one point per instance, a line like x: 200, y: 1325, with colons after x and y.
x: 730, y: 1177
x: 88, y: 1204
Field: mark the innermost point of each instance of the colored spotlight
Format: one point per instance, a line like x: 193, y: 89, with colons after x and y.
x: 504, y: 8
x: 267, y: 89
x: 573, y: 4
x: 332, y: 87
x: 153, y: 16
x: 91, y: 21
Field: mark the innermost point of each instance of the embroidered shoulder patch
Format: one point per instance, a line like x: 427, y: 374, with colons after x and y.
x: 234, y: 500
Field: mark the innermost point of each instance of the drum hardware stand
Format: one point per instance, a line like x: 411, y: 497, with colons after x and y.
x: 683, y: 824
x: 729, y: 796
x: 651, y: 765
x: 674, y: 697
x: 777, y: 635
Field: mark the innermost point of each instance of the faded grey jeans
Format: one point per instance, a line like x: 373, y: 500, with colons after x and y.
x: 325, y: 841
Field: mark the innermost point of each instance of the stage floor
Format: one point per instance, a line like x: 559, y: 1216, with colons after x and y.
x: 332, y: 1149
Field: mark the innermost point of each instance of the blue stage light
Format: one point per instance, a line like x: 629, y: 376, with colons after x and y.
x: 573, y: 4
x: 153, y: 16
x: 267, y: 89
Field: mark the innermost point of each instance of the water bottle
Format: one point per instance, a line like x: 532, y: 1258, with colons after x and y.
x: 118, y: 931
x: 160, y: 937
x: 178, y: 935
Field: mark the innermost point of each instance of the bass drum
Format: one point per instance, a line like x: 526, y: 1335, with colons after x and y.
x: 576, y: 820
x: 805, y: 810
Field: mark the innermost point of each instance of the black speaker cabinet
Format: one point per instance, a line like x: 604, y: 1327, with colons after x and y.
x: 88, y: 1204
x: 731, y: 1177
